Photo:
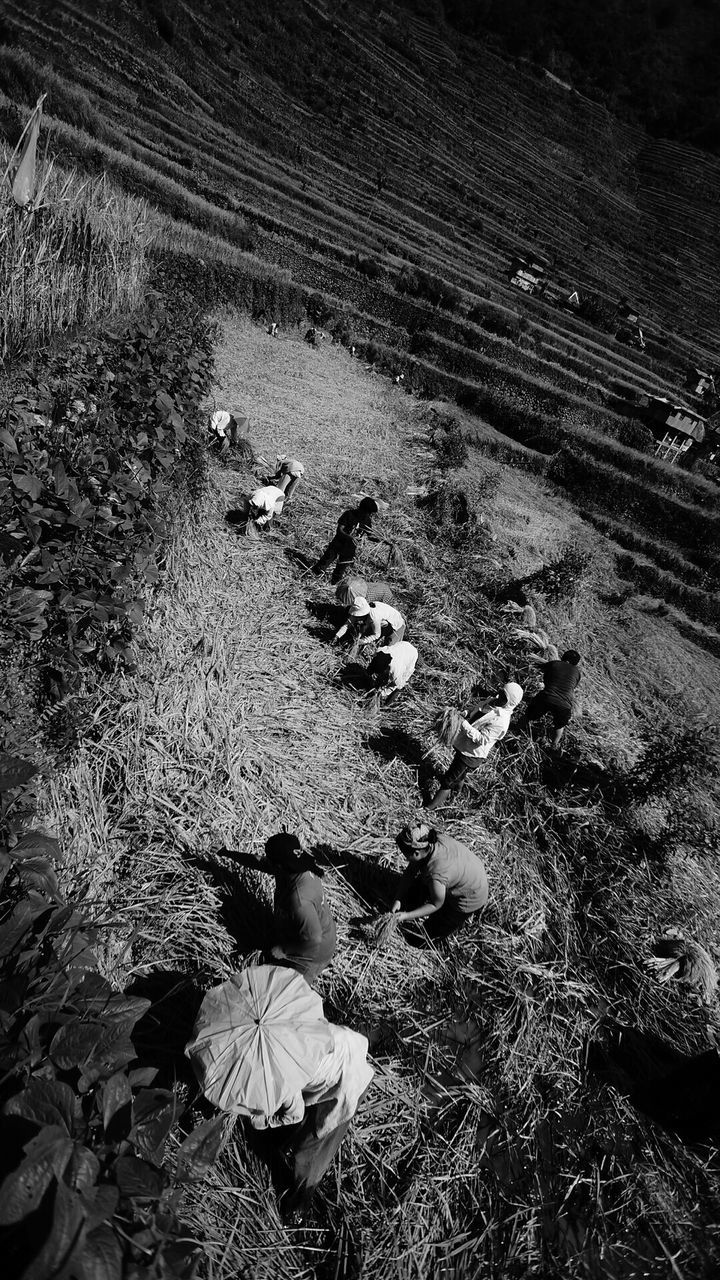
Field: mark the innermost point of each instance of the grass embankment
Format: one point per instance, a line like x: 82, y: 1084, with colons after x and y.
x: 236, y: 723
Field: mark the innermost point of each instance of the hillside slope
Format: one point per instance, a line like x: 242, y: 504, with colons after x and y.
x: 369, y: 128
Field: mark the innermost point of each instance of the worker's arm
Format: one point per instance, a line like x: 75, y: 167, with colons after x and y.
x: 342, y: 632
x: 472, y: 730
x: 436, y: 896
x: 244, y: 859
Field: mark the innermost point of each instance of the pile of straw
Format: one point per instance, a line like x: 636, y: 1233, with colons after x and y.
x: 381, y: 931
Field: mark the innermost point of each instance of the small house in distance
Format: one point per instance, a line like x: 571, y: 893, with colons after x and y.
x: 676, y: 427
x: 699, y: 382
x: 528, y: 273
x: 628, y: 330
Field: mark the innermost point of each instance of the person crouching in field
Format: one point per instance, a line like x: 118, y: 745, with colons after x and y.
x: 371, y: 622
x: 476, y: 739
x: 256, y: 511
x: 444, y: 884
x: 226, y: 430
x: 303, y: 925
x: 560, y: 679
x: 289, y: 472
x: 391, y: 669
x: 350, y: 588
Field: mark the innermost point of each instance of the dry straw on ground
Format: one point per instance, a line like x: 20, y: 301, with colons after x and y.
x: 238, y: 723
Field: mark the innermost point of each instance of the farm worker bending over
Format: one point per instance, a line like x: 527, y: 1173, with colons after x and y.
x: 444, y: 884
x: 265, y: 503
x: 303, y: 924
x: 391, y: 668
x: 356, y: 522
x: 476, y: 740
x: 372, y: 622
x: 288, y: 475
x: 350, y: 588
x: 560, y: 678
x: 224, y: 429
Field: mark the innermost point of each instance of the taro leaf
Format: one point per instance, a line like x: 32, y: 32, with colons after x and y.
x: 14, y: 771
x: 154, y: 1112
x: 101, y: 1256
x: 61, y: 480
x: 74, y: 949
x: 8, y: 441
x: 199, y: 1151
x: 137, y: 1178
x: 100, y: 1204
x: 15, y: 928
x: 28, y: 484
x: 45, y: 1102
x: 92, y: 990
x: 35, y: 844
x: 83, y: 1169
x: 97, y: 1049
x: 46, y: 1157
x: 30, y: 1044
x: 164, y: 402
x: 141, y: 1077
x: 5, y: 867
x: 66, y: 1239
x: 39, y: 873
x: 98, y: 997
x: 116, y: 1096
x: 75, y: 1043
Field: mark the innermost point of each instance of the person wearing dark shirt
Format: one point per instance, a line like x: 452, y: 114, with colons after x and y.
x: 444, y: 885
x: 354, y: 523
x: 560, y: 680
x: 304, y: 928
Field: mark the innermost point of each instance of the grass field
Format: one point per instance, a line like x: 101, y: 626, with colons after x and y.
x: 236, y: 722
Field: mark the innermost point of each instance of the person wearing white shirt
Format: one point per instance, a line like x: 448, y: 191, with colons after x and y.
x: 391, y: 668
x: 288, y: 474
x: 476, y: 740
x: 263, y: 504
x: 373, y: 621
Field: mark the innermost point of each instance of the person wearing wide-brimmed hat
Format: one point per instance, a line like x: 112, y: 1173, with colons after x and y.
x: 476, y: 740
x: 303, y: 926
x: 373, y: 621
x: 444, y: 884
x: 351, y: 587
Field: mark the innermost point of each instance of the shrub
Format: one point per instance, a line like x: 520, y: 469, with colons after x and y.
x: 449, y: 444
x: 369, y: 267
x: 84, y: 1125
x: 93, y: 459
x: 421, y: 284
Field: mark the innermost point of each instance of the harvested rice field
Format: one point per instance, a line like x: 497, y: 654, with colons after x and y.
x: 488, y: 1146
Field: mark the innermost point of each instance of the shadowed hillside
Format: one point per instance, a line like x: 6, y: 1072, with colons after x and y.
x: 330, y: 129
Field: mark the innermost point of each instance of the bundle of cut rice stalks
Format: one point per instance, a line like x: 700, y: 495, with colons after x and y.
x: 447, y: 725
x: 678, y: 957
x: 380, y: 932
